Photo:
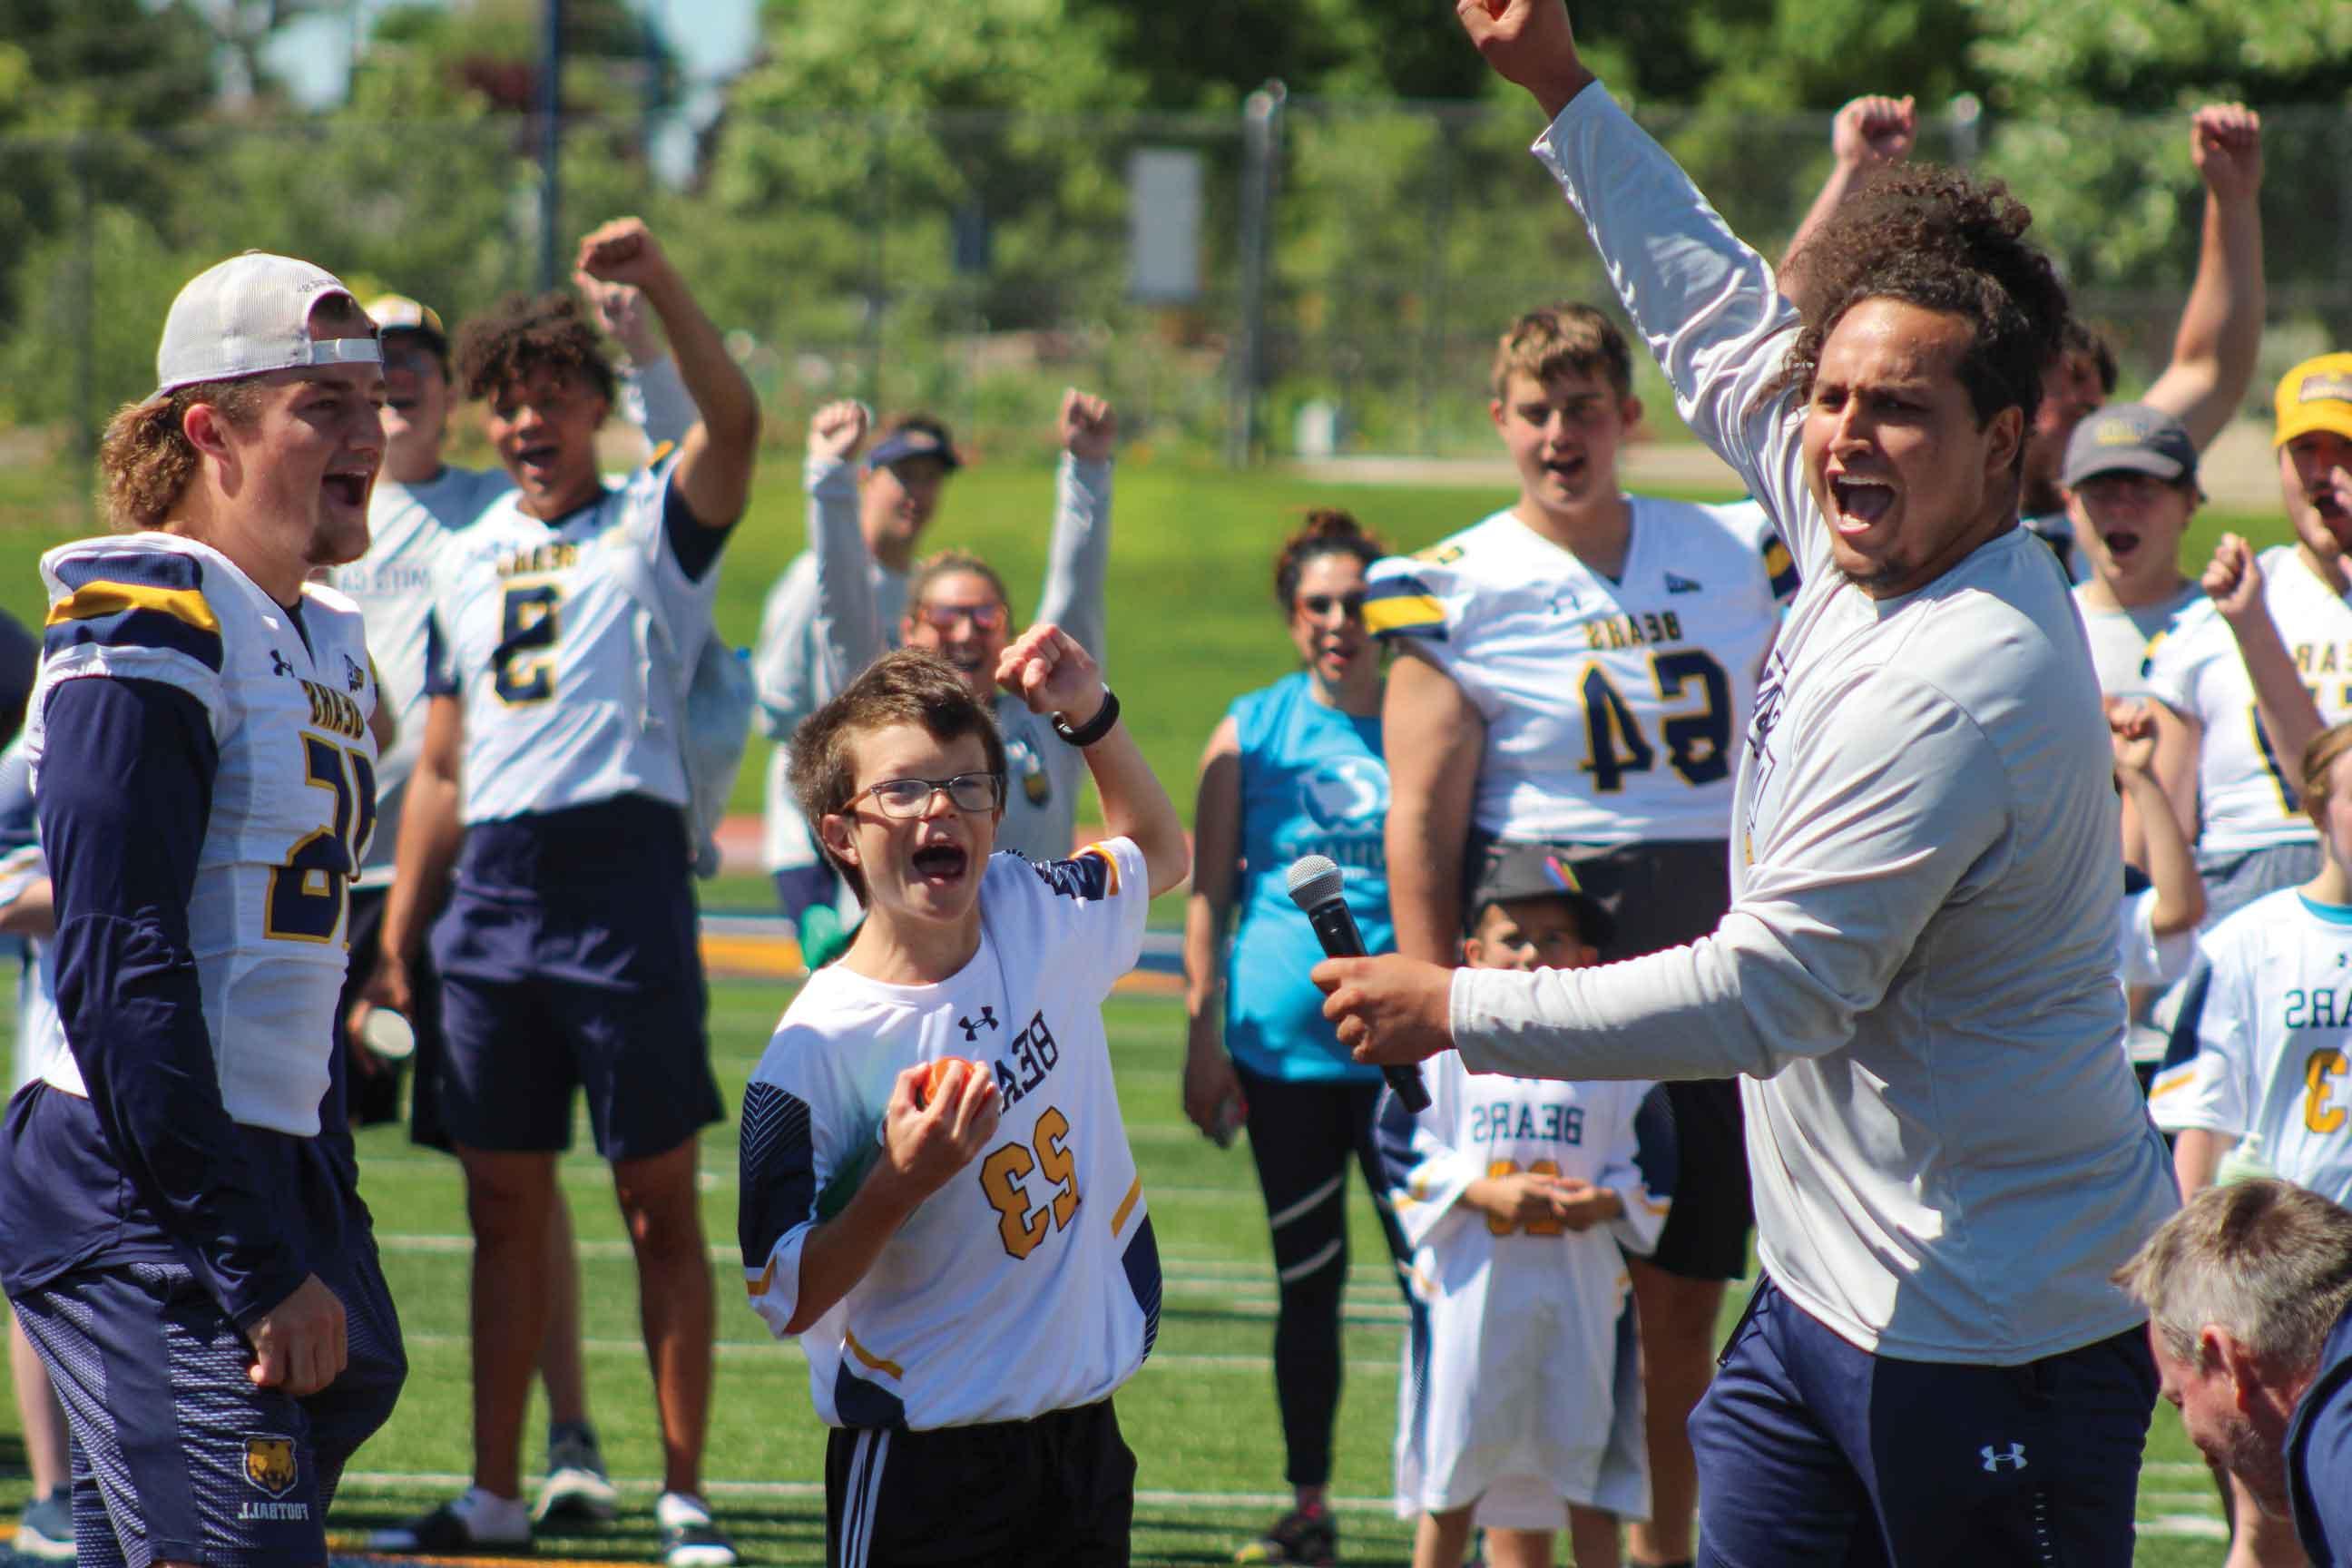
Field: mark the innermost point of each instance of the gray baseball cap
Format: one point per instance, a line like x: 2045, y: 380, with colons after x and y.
x: 2128, y: 437
x: 251, y: 315
x: 1508, y: 872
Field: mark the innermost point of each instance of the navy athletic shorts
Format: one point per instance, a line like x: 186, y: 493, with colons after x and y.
x: 569, y: 961
x: 177, y: 1455
x: 1812, y: 1451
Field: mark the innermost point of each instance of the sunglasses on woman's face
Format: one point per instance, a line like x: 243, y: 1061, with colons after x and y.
x: 1321, y: 605
x: 984, y: 617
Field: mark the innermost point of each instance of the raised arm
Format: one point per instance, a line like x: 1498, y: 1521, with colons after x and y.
x: 1053, y: 675
x: 653, y: 398
x: 716, y: 455
x: 2220, y: 332
x: 2289, y: 716
x: 1705, y: 303
x: 1079, y: 553
x: 849, y: 631
x: 1867, y: 134
x: 2164, y: 852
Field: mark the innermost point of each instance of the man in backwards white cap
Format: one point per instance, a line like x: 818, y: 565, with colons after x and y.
x: 185, y: 1248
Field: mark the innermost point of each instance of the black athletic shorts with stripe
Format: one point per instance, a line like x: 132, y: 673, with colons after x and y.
x: 1054, y: 1492
x: 1664, y: 895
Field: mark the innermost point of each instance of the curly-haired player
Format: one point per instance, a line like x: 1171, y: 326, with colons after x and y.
x: 1916, y: 975
x: 551, y: 781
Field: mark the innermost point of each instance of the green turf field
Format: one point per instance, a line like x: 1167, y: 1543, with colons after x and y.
x: 1200, y: 1417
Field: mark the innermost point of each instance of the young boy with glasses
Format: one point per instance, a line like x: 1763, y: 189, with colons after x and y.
x: 990, y: 1278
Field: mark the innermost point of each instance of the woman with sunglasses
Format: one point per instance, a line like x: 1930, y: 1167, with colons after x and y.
x: 1294, y: 768
x: 958, y: 608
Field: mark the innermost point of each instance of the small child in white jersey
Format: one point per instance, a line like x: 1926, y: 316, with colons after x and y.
x: 1522, y: 1395
x: 988, y: 1275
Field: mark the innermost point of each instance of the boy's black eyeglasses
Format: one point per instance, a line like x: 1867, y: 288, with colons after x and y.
x: 912, y: 798
x: 1324, y: 604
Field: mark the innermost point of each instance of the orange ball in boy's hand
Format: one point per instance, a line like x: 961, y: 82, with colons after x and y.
x: 939, y: 1081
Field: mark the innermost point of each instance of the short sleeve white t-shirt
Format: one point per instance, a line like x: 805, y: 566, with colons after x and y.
x: 1030, y: 1282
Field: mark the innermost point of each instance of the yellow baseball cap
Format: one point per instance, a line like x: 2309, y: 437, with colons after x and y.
x: 2316, y: 396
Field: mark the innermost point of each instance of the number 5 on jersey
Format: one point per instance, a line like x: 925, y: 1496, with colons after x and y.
x: 307, y: 894
x: 524, y: 660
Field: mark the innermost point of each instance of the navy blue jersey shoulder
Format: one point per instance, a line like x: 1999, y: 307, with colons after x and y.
x: 696, y: 544
x: 1657, y: 1146
x: 1089, y: 877
x: 134, y: 598
x: 777, y: 1180
x: 2319, y: 1453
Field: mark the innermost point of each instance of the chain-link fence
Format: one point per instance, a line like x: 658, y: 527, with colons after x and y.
x: 1298, y: 276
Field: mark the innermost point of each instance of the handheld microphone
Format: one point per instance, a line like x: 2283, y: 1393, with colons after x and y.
x: 1315, y: 887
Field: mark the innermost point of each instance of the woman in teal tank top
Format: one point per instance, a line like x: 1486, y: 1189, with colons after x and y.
x: 1294, y: 768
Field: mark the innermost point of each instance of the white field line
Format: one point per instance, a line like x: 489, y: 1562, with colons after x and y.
x: 732, y: 1349
x: 647, y: 1486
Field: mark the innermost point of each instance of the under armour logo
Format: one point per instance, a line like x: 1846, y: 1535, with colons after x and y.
x: 279, y: 664
x: 353, y: 676
x: 1565, y: 602
x: 1993, y: 1462
x: 971, y: 1030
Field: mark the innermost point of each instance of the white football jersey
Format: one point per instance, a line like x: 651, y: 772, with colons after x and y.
x: 571, y: 643
x: 293, y: 800
x: 1030, y: 1282
x: 2272, y: 1045
x: 1527, y: 1384
x: 1613, y: 709
x: 395, y: 586
x: 2119, y: 640
x: 40, y: 1034
x: 2245, y: 790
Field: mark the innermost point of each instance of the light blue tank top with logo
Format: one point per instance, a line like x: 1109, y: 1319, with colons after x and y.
x: 1312, y: 784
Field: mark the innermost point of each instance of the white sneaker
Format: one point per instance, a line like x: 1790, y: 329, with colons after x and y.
x: 475, y: 1518
x: 577, y: 1486
x: 689, y: 1537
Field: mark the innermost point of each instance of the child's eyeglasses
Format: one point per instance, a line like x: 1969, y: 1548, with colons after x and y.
x: 912, y: 798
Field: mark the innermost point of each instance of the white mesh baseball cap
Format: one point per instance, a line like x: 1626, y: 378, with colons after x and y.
x: 249, y: 316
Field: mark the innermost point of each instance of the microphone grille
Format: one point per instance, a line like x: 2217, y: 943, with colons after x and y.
x: 1314, y: 881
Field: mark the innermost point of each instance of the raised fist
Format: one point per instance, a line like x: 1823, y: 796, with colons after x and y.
x: 1090, y: 425
x: 1047, y: 669
x: 1528, y: 42
x: 2234, y: 581
x: 839, y: 429
x: 2225, y: 141
x: 621, y: 311
x: 623, y: 251
x: 2131, y: 729
x: 1875, y: 130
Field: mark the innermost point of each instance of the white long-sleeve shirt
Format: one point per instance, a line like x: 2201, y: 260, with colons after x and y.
x: 1917, y: 974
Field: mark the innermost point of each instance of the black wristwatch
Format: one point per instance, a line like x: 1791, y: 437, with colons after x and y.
x: 1095, y: 728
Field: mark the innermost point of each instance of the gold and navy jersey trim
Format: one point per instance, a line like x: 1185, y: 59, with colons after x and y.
x: 1402, y: 606
x: 1091, y: 875
x: 129, y: 598
x: 1780, y: 567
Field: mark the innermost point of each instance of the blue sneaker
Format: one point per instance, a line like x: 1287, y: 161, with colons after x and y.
x: 45, y: 1532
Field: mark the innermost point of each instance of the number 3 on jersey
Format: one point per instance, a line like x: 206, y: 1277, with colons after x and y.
x: 1002, y: 1178
x: 524, y: 660
x: 307, y: 894
x: 1698, y: 743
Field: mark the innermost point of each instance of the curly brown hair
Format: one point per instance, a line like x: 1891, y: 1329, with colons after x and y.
x: 1326, y: 531
x: 1936, y: 239
x: 524, y: 333
x: 145, y: 461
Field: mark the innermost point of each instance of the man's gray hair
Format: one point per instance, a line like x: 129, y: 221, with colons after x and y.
x: 2265, y: 1260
